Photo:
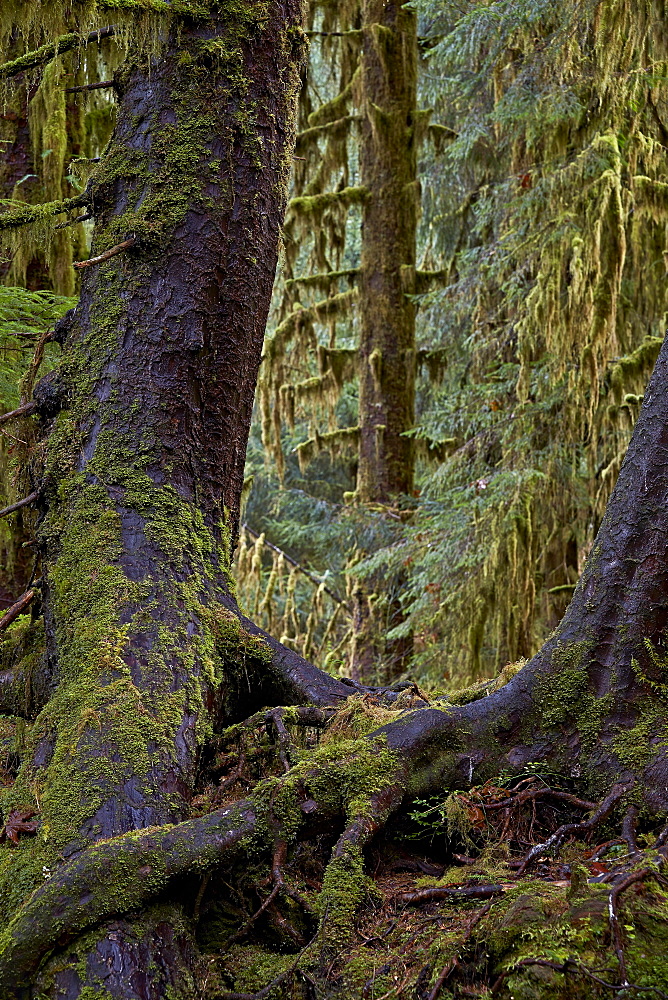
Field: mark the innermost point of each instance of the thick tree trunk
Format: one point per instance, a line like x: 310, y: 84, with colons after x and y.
x: 144, y: 472
x: 387, y: 359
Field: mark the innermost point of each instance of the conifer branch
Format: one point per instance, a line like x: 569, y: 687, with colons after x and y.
x: 28, y: 214
x: 324, y: 278
x: 333, y: 109
x: 339, y: 125
x: 351, y: 33
x: 316, y: 203
x: 424, y: 280
x: 47, y: 52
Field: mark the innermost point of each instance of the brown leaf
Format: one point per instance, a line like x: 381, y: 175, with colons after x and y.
x: 19, y: 821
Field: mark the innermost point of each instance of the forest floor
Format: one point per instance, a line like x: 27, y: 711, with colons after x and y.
x: 518, y: 889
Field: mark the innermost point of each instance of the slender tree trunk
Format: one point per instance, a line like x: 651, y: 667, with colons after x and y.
x: 144, y: 470
x: 387, y: 368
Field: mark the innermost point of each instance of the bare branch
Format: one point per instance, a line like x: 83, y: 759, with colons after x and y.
x: 293, y: 562
x: 16, y: 609
x: 89, y: 86
x: 21, y: 503
x: 107, y: 254
x: 25, y: 410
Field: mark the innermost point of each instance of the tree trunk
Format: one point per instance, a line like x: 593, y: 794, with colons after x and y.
x: 144, y: 469
x: 387, y: 359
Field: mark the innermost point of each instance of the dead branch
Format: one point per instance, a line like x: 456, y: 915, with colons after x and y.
x: 74, y: 222
x: 293, y: 562
x: 25, y: 410
x: 540, y: 793
x: 434, y: 894
x: 107, y: 254
x: 20, y: 503
x: 89, y: 86
x: 284, y: 742
x: 555, y: 841
x: 16, y: 609
x: 454, y: 963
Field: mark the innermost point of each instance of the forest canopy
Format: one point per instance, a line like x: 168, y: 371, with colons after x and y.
x: 333, y: 540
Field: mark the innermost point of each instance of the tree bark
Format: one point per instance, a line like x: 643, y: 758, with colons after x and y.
x: 387, y: 358
x: 144, y: 468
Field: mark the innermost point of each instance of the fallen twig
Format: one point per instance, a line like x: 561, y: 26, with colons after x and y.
x: 20, y: 503
x: 106, y: 255
x: 16, y: 609
x: 557, y: 838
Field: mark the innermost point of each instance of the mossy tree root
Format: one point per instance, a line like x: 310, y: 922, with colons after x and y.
x: 112, y: 878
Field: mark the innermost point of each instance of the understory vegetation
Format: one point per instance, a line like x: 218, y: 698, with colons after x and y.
x: 541, y: 300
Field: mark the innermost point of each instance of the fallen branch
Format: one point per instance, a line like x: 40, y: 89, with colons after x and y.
x: 25, y: 410
x: 435, y: 894
x: 107, y: 254
x: 16, y: 609
x: 555, y: 841
x: 528, y: 796
x: 454, y: 963
x: 20, y: 503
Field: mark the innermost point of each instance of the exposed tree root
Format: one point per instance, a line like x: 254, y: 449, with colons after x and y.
x: 570, y: 965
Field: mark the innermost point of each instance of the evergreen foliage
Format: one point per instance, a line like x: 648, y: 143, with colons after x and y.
x: 543, y: 225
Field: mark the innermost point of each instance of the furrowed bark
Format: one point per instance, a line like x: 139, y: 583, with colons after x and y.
x: 144, y: 469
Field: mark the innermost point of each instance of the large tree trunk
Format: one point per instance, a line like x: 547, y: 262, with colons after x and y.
x: 387, y: 359
x: 140, y: 500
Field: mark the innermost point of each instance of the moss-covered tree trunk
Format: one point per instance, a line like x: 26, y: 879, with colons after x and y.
x: 387, y: 360
x: 143, y: 473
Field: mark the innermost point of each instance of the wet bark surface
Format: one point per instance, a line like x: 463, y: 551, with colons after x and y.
x: 143, y: 476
